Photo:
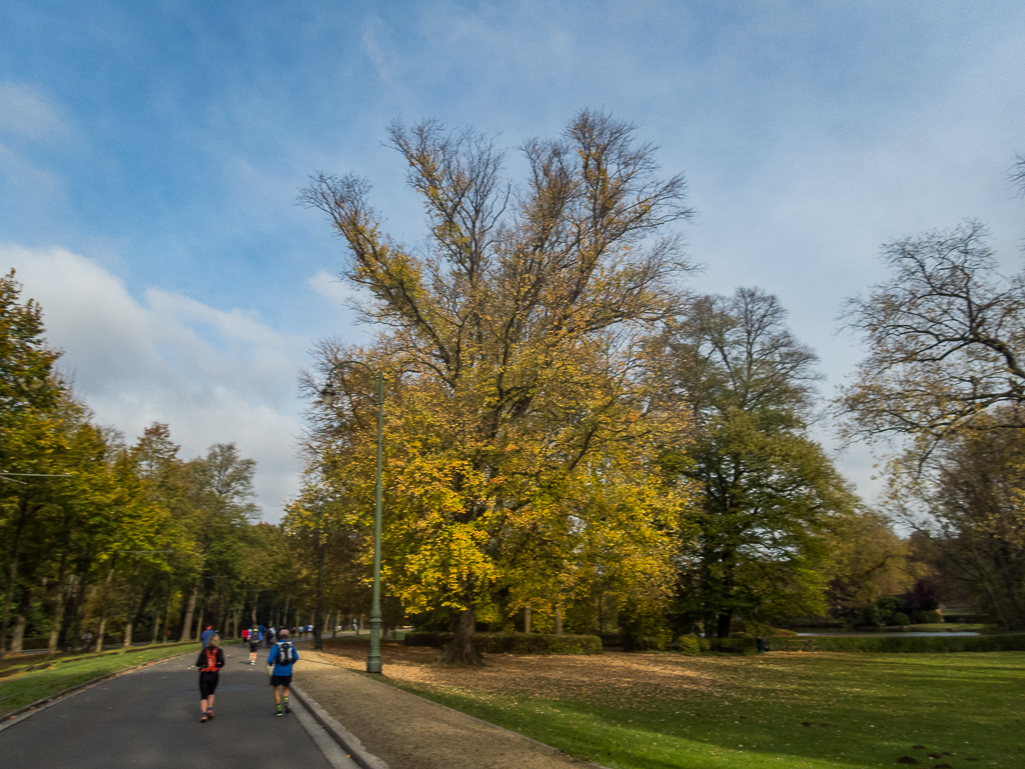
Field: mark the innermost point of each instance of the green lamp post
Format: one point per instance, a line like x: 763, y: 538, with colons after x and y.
x: 374, y: 658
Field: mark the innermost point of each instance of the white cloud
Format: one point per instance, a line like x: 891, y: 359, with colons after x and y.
x: 333, y: 288
x: 29, y: 186
x: 214, y: 376
x: 27, y: 113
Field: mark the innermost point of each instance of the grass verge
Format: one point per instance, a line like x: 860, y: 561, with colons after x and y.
x: 24, y: 688
x: 787, y: 710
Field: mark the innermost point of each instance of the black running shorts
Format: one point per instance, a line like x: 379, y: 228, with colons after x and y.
x: 280, y: 680
x: 207, y: 684
x: 254, y: 646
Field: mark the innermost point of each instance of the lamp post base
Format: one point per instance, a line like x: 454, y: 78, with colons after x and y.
x: 374, y: 658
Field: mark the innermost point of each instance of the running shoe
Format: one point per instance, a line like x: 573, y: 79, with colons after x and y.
x: 210, y: 715
x: 202, y: 719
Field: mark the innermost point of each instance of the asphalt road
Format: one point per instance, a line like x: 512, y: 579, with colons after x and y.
x: 150, y: 718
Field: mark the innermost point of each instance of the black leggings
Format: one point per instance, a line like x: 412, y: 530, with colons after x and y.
x: 207, y: 684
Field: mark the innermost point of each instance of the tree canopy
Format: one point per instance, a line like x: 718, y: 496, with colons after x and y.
x: 945, y: 337
x: 513, y: 353
x: 768, y: 495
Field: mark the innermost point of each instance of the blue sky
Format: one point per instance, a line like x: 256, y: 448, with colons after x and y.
x: 150, y: 156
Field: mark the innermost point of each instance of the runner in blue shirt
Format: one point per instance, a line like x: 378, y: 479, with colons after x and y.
x: 282, y: 656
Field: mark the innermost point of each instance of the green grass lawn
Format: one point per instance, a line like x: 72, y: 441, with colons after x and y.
x: 792, y: 710
x: 24, y: 688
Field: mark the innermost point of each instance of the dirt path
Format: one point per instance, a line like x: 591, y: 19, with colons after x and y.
x: 409, y: 732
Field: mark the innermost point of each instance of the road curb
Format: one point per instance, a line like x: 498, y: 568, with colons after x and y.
x: 26, y: 711
x: 346, y: 739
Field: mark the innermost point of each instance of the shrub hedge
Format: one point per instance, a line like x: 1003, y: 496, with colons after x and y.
x: 514, y: 643
x: 435, y: 638
x: 538, y: 643
x: 901, y: 645
x: 688, y: 644
x: 733, y: 645
x: 657, y: 641
x: 756, y: 629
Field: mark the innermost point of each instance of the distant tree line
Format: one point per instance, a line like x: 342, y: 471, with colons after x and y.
x: 125, y: 542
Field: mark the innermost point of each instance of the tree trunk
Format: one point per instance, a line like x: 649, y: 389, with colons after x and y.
x: 68, y: 620
x: 18, y: 640
x: 171, y: 593
x: 12, y: 579
x: 103, y: 606
x: 156, y: 619
x: 133, y: 609
x: 222, y: 623
x: 526, y: 619
x: 199, y: 621
x: 256, y: 598
x: 80, y: 602
x: 558, y: 618
x: 189, y: 611
x: 58, y: 610
x: 463, y: 648
x: 318, y: 619
x: 723, y: 625
x: 24, y: 513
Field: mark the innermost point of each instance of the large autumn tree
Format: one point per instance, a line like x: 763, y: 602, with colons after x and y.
x: 510, y: 342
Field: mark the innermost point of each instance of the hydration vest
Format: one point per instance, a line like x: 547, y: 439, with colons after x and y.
x: 286, y: 653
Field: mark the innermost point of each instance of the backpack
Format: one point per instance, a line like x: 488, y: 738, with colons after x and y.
x: 211, y: 661
x: 286, y: 653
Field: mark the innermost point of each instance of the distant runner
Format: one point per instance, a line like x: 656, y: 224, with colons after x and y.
x: 254, y: 644
x: 282, y: 657
x: 209, y: 662
x: 207, y: 634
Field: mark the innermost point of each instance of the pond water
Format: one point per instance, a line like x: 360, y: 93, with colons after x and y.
x: 909, y: 634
